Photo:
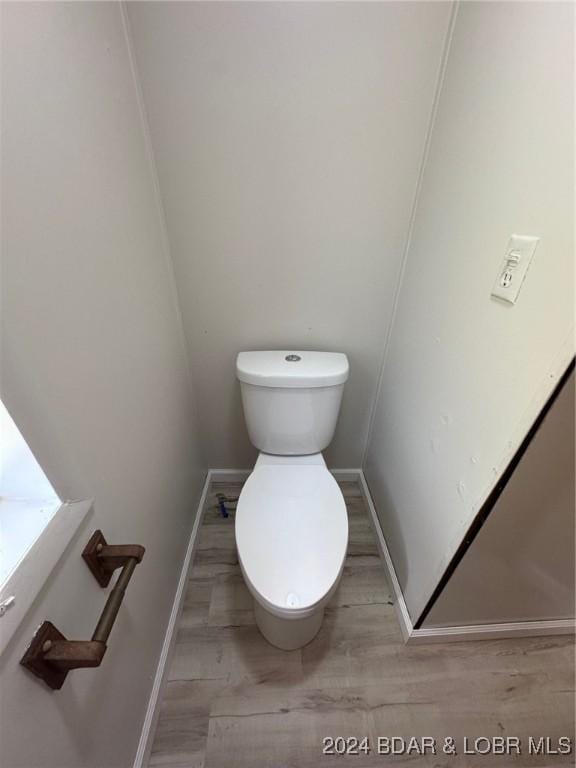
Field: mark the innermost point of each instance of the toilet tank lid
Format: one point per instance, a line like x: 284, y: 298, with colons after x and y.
x: 290, y: 368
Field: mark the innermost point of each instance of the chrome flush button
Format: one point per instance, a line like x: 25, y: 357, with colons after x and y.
x: 292, y: 358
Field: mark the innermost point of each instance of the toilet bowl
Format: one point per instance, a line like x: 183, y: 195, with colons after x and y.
x: 291, y: 521
x: 291, y: 536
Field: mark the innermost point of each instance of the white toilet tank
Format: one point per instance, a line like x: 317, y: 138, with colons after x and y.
x: 291, y: 399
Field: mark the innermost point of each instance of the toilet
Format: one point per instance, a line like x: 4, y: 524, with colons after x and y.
x: 291, y: 521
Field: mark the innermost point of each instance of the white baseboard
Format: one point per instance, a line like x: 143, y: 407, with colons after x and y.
x: 399, y: 603
x: 239, y: 475
x: 346, y: 475
x: 229, y: 475
x: 153, y: 709
x: 492, y: 631
x: 411, y: 635
x: 414, y: 636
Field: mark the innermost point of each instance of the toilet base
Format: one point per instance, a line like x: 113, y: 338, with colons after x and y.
x: 287, y: 634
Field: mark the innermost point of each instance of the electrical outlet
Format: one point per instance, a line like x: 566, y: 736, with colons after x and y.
x: 514, y: 267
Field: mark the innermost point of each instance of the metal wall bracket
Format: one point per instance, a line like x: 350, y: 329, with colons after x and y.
x: 50, y: 656
x: 103, y: 559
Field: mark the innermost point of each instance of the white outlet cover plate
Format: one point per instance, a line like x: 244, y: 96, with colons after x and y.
x: 514, y: 267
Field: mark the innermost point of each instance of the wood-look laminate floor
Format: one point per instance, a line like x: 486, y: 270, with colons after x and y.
x: 234, y: 701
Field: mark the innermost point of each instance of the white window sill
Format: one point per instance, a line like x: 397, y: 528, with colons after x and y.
x: 32, y: 565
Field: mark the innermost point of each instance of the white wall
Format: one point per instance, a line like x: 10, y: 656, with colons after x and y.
x: 288, y: 138
x: 93, y: 368
x: 465, y: 375
x: 520, y: 566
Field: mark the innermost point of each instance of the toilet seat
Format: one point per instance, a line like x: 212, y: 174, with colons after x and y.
x: 291, y: 534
